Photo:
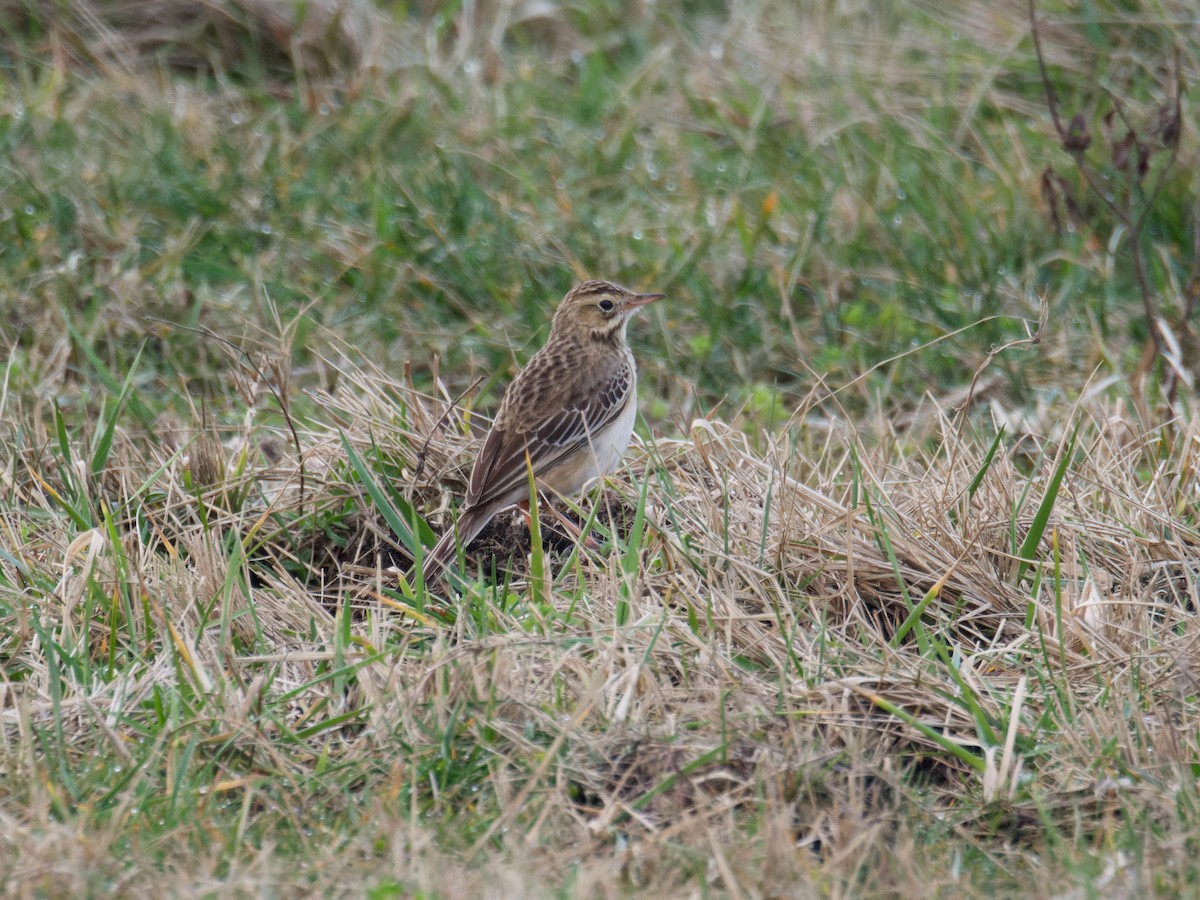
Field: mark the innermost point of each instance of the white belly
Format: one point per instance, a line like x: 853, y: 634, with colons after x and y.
x: 611, y: 444
x: 607, y: 448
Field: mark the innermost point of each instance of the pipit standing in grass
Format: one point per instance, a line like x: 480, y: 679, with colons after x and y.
x: 568, y: 415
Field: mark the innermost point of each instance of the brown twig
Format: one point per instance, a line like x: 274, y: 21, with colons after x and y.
x: 1133, y: 212
x: 423, y: 453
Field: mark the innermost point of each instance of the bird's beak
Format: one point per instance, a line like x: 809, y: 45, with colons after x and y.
x: 642, y: 300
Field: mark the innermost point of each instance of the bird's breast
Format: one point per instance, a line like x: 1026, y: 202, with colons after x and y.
x: 602, y: 455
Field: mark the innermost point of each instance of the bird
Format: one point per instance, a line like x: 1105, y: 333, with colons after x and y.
x: 568, y: 414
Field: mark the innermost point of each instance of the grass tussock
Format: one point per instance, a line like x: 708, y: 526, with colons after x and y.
x: 803, y: 649
x: 896, y: 594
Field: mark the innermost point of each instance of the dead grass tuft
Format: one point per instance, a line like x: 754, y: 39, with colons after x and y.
x: 313, y: 39
x: 762, y: 631
x: 801, y: 634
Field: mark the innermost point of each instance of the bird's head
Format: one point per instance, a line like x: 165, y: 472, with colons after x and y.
x: 599, y: 310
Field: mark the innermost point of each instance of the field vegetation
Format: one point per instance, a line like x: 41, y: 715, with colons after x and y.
x: 896, y: 595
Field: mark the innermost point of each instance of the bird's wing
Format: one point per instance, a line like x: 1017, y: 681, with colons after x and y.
x: 500, y: 470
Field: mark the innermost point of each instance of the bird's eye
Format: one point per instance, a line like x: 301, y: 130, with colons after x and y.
x: 606, y: 305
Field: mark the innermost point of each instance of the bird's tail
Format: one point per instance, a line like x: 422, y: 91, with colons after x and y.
x: 446, y: 549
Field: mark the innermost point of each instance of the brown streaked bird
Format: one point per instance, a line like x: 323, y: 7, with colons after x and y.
x: 571, y: 410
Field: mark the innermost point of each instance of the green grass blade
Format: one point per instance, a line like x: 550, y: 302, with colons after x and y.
x: 393, y: 517
x: 1038, y: 527
x: 955, y: 749
x: 102, y: 443
x: 988, y: 458
x: 537, y: 552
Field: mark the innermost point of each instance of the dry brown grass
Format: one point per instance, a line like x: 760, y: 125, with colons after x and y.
x: 312, y: 39
x: 751, y: 690
x: 821, y: 669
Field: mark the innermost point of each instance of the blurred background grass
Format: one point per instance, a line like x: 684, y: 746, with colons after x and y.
x: 820, y: 188
x: 831, y: 193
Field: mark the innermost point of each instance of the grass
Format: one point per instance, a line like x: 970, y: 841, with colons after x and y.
x: 897, y: 591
